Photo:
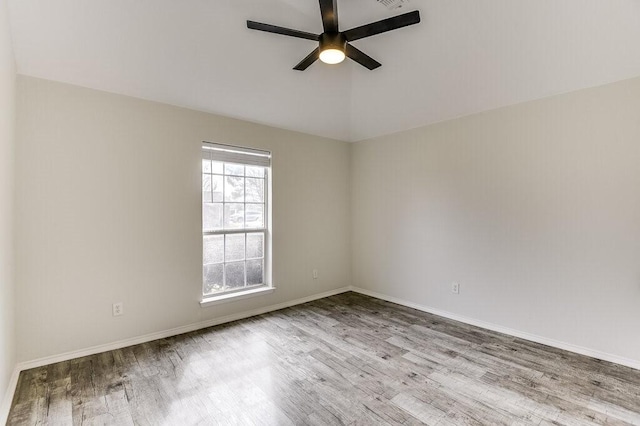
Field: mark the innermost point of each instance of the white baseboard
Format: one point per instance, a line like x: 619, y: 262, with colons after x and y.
x: 505, y: 330
x: 8, y: 396
x: 174, y: 331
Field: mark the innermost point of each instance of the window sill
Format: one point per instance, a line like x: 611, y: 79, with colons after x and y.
x: 216, y: 300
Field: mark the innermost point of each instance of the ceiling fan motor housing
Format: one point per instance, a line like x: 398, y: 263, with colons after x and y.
x: 333, y: 41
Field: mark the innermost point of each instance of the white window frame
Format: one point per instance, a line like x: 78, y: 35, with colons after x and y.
x: 248, y: 157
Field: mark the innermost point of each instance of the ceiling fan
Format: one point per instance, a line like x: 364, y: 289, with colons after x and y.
x: 335, y: 44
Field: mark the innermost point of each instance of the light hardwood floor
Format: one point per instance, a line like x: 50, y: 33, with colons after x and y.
x: 346, y: 359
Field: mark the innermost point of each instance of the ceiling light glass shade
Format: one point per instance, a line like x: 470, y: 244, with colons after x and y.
x: 332, y: 56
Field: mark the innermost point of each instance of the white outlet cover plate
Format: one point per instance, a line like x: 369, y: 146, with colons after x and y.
x: 118, y: 309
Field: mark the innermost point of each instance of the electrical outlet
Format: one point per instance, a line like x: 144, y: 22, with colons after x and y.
x: 118, y: 309
x: 315, y: 274
x: 455, y: 288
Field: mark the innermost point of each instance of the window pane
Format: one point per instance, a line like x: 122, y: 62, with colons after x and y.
x: 206, y: 189
x: 255, y: 190
x: 213, y: 278
x: 255, y: 245
x: 213, y: 249
x: 234, y: 189
x: 233, y: 200
x: 233, y: 169
x: 217, y: 188
x: 233, y: 216
x: 234, y: 247
x: 211, y: 216
x: 234, y: 275
x: 254, y: 272
x: 254, y: 216
x: 254, y: 171
x: 216, y: 167
x: 206, y: 166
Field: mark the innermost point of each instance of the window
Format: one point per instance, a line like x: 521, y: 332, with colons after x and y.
x: 234, y: 219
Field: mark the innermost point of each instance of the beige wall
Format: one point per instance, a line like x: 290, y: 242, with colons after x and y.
x: 534, y: 209
x: 108, y: 209
x: 7, y: 144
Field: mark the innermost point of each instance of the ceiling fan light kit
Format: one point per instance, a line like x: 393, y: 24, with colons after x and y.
x: 334, y: 45
x: 332, y: 48
x: 332, y: 56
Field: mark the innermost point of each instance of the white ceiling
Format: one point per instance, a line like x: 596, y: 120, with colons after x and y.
x: 466, y: 56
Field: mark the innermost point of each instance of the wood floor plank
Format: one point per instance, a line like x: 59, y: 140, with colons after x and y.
x: 343, y: 360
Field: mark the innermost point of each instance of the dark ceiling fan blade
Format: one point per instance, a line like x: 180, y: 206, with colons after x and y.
x: 362, y: 58
x: 382, y: 26
x: 281, y: 30
x: 329, y: 12
x: 310, y: 59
